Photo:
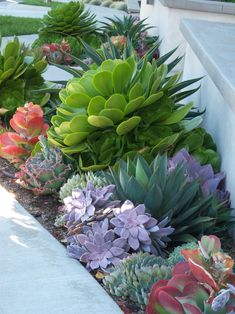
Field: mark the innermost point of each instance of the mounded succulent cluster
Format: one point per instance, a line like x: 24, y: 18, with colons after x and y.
x: 133, y: 278
x: 122, y: 106
x: 80, y: 181
x: 69, y: 19
x: 169, y: 194
x: 45, y: 172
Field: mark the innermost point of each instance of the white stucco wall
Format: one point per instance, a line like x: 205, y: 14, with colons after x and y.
x: 219, y: 118
x: 167, y: 20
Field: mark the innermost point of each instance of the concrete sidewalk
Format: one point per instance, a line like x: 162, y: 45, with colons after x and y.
x: 15, y: 9
x: 36, y: 275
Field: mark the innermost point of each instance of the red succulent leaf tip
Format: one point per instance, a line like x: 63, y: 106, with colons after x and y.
x: 202, y: 275
x: 209, y: 245
x: 168, y: 302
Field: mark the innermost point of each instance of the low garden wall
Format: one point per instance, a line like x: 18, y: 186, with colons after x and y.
x: 210, y: 54
x: 167, y: 14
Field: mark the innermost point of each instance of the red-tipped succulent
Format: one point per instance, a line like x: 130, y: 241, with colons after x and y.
x: 209, y: 264
x: 199, y: 284
x: 28, y: 124
x: 180, y: 295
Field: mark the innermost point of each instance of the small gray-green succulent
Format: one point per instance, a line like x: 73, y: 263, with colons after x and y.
x: 80, y: 181
x: 135, y: 275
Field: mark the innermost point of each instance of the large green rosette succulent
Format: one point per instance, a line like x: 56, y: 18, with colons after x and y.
x: 119, y: 108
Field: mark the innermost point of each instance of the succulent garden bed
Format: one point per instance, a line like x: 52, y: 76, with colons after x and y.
x: 116, y: 167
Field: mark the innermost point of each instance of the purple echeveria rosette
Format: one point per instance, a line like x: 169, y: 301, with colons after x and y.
x: 98, y: 247
x: 210, y: 183
x: 141, y: 231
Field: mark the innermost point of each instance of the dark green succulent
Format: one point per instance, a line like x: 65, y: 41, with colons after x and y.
x: 133, y: 278
x: 168, y: 193
x: 122, y: 106
x: 20, y: 74
x: 70, y: 19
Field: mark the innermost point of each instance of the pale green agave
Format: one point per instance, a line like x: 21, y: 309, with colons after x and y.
x: 122, y: 106
x: 80, y: 181
x: 133, y: 278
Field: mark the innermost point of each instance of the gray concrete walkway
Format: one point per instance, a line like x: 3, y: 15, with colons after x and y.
x: 15, y: 9
x: 36, y: 275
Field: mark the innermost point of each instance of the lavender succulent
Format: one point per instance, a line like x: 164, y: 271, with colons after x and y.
x: 140, y: 229
x: 98, y: 247
x: 210, y: 183
x: 83, y: 203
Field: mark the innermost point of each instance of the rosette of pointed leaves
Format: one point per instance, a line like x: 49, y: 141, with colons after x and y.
x: 137, y: 227
x: 98, y: 247
x: 133, y: 278
x: 169, y: 194
x: 122, y: 106
x: 20, y: 74
x: 28, y: 124
x: 69, y: 19
x: 45, y: 172
x: 80, y: 181
x: 210, y: 182
x: 84, y: 202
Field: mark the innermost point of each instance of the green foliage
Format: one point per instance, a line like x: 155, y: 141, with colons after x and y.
x: 14, y: 25
x: 122, y: 106
x: 80, y: 181
x: 133, y: 278
x: 176, y: 257
x: 70, y: 19
x: 169, y: 194
x: 20, y: 75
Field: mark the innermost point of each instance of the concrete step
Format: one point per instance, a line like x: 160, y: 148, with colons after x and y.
x: 36, y: 275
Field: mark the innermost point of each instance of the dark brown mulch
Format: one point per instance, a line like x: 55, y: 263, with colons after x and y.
x: 43, y: 208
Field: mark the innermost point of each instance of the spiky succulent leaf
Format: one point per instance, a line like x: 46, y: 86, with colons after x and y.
x: 169, y: 194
